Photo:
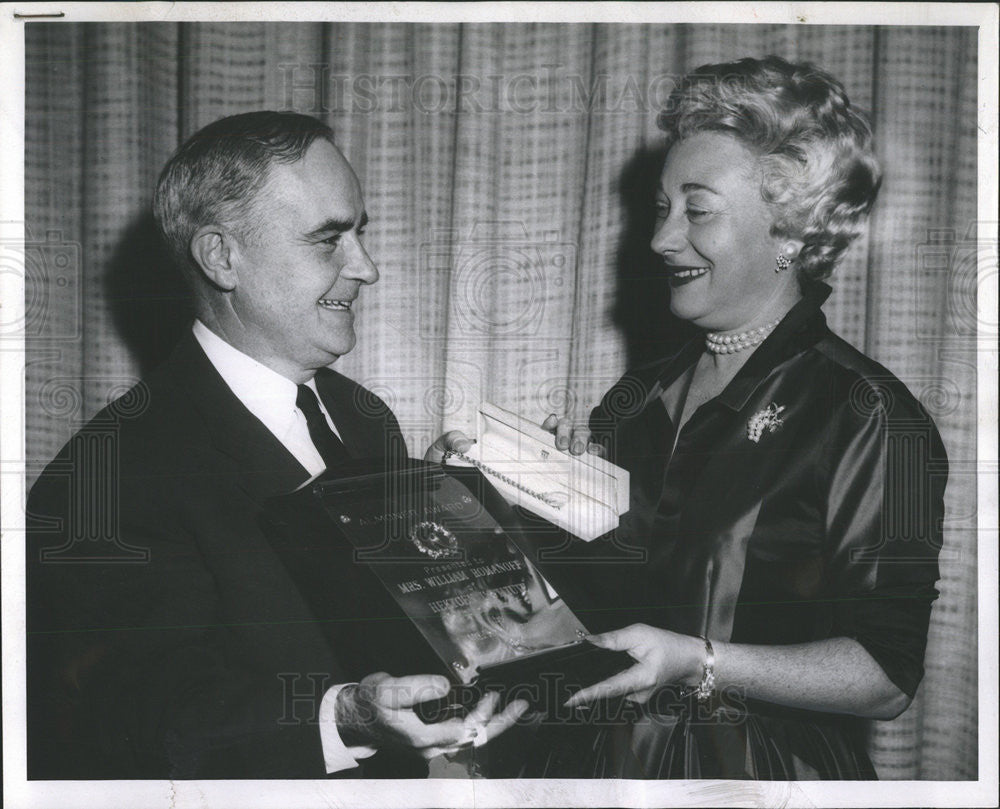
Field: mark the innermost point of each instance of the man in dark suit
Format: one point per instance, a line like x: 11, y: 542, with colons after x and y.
x: 168, y: 636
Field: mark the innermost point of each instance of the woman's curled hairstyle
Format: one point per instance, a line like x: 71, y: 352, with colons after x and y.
x: 820, y: 172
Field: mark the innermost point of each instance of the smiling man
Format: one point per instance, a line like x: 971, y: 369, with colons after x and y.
x: 176, y: 641
x: 289, y: 275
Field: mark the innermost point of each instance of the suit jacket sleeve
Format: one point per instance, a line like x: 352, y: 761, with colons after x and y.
x: 143, y: 666
x: 196, y: 660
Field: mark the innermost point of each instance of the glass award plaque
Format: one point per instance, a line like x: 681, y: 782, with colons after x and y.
x: 448, y: 549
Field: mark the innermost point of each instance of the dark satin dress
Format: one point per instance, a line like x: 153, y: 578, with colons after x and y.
x: 828, y: 525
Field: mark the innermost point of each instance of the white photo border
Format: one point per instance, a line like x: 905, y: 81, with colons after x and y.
x: 483, y: 793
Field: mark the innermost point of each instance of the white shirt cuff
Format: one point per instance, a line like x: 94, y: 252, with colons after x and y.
x: 336, y: 754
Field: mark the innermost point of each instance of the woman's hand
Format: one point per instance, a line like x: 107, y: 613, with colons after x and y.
x: 451, y: 441
x: 836, y: 675
x: 662, y: 657
x: 570, y: 436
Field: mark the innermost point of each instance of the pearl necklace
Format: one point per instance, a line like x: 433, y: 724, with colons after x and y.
x: 719, y: 343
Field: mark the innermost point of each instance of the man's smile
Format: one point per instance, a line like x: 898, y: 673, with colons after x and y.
x: 331, y: 303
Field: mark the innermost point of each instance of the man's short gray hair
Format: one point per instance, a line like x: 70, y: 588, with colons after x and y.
x: 215, y: 176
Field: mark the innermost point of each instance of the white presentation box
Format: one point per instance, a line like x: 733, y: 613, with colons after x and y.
x: 583, y: 494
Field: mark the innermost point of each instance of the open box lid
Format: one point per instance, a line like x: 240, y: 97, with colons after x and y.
x: 583, y: 494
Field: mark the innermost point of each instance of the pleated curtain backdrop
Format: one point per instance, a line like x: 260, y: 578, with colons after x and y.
x: 507, y: 171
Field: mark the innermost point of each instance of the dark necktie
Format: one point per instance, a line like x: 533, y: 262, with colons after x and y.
x: 325, y: 440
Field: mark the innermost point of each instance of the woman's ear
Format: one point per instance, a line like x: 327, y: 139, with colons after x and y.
x: 214, y: 251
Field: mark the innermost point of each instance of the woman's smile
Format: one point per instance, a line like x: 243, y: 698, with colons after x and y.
x: 679, y: 276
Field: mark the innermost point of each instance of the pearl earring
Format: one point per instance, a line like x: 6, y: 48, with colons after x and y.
x: 782, y: 263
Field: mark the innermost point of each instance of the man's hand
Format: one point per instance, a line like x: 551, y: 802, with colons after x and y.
x: 571, y: 436
x: 378, y: 712
x: 662, y: 657
x: 452, y: 441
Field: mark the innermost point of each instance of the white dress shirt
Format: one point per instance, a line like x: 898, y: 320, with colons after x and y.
x: 271, y: 398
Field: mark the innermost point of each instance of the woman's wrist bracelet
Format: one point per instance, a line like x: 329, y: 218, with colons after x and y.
x: 706, y: 687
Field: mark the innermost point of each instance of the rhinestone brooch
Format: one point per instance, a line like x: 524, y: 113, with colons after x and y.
x: 767, y: 420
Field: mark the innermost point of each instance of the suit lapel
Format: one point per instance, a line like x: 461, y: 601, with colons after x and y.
x: 265, y: 467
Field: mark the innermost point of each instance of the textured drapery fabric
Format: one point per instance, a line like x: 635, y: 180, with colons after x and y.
x: 507, y: 171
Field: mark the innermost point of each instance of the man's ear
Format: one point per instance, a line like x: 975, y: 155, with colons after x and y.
x: 214, y: 251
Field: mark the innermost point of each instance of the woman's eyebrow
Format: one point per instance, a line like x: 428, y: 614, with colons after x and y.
x: 687, y: 187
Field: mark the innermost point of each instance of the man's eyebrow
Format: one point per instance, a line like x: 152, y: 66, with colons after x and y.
x: 337, y: 226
